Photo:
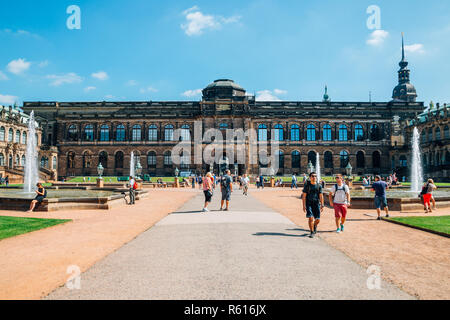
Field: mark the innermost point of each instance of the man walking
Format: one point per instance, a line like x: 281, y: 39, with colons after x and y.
x: 245, y: 182
x: 339, y: 198
x: 226, y: 186
x: 132, y: 189
x: 294, y: 182
x: 312, y: 202
x: 380, y: 196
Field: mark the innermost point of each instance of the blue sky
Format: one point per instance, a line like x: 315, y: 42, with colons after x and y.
x: 168, y: 50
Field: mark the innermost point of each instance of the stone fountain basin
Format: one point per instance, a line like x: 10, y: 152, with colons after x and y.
x: 71, y: 198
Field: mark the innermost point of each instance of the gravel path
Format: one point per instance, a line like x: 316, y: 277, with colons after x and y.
x: 250, y: 252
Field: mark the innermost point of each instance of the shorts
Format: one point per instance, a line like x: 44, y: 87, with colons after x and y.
x: 380, y: 202
x: 340, y: 210
x: 426, y: 198
x: 208, y: 195
x: 313, y: 210
x: 39, y: 199
x: 226, y: 195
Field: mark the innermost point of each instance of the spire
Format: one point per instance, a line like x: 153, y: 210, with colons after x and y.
x: 403, y: 48
x: 404, y: 91
x: 326, y: 98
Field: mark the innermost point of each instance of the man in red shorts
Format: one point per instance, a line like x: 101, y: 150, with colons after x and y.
x: 339, y: 197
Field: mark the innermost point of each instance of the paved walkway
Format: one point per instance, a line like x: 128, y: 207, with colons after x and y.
x: 250, y: 252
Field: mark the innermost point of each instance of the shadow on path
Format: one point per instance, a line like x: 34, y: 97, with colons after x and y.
x: 280, y: 234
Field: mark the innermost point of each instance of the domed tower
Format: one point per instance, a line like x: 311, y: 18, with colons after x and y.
x: 404, y: 91
x: 223, y: 89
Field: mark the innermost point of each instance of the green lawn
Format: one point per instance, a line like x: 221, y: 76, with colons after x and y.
x: 438, y: 184
x: 440, y: 224
x: 91, y: 180
x: 13, y: 226
x: 20, y: 185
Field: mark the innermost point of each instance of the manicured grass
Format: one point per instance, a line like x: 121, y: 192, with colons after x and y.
x: 13, y: 226
x: 438, y: 184
x: 92, y: 180
x: 20, y: 185
x: 440, y: 224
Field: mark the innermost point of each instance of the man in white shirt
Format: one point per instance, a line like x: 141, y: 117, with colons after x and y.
x: 245, y: 182
x: 294, y: 182
x: 339, y: 198
x: 132, y: 191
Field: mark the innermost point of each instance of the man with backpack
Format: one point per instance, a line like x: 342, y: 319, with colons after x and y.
x: 226, y: 186
x: 339, y: 198
x: 133, y: 187
x: 312, y: 202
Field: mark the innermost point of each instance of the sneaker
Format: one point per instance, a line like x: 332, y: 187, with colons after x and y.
x: 315, y: 229
x: 379, y: 218
x: 387, y: 216
x: 205, y: 210
x: 220, y: 209
x: 311, y: 235
x: 338, y: 230
x: 226, y: 209
x: 342, y: 227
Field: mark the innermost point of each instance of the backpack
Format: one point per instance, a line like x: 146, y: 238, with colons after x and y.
x: 135, y: 186
x: 336, y: 189
x: 224, y: 182
x: 45, y: 193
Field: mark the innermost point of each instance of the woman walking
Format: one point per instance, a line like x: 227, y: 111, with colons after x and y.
x: 41, y: 193
x: 208, y: 190
x: 427, y: 194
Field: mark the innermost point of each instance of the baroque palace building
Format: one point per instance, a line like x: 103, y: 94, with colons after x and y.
x: 368, y: 135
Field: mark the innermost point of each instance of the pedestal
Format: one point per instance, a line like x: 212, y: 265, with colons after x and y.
x: 272, y: 182
x: 100, y: 183
x: 177, y: 183
x: 349, y: 182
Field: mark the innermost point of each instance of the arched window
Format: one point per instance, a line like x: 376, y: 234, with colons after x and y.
x: 326, y: 132
x: 153, y: 133
x: 17, y: 136
x: 89, y: 133
x: 280, y: 155
x: 103, y: 159
x: 447, y: 157
x: 278, y: 133
x: 295, y: 159
x: 262, y: 132
x: 2, y: 159
x: 86, y: 160
x: 312, y: 156
x: 17, y: 164
x: 10, y: 161
x: 10, y: 135
x: 120, y: 132
x: 44, y: 162
x: 72, y: 133
x: 2, y: 133
x: 360, y: 160
x: 328, y: 159
x: 185, y: 134
x: 344, y: 158
x: 403, y: 161
x: 23, y: 160
x: 359, y: 133
x: 104, y: 132
x: 167, y: 159
x: 151, y: 159
x: 223, y: 126
x: 24, y: 137
x: 168, y: 132
x: 343, y: 132
x: 430, y: 135
x: 375, y: 132
x: 311, y: 133
x: 136, y: 133
x: 376, y: 159
x: 185, y: 160
x: 71, y: 160
x: 295, y: 133
x: 118, y: 160
x: 446, y: 132
x: 438, y: 133
x: 54, y: 163
x: 423, y: 137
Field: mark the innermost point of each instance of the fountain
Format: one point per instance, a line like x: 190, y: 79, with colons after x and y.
x: 318, y: 167
x: 31, y: 175
x: 416, y: 165
x: 132, y: 164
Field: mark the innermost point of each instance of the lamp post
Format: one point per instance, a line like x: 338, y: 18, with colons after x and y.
x: 310, y: 167
x: 176, y: 172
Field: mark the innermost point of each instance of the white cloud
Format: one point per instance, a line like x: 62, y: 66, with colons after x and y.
x: 67, y: 78
x: 266, y: 95
x: 18, y: 66
x: 197, y: 22
x: 7, y: 99
x: 279, y: 91
x: 3, y: 76
x: 192, y: 93
x: 87, y: 89
x: 101, y: 75
x: 109, y: 96
x: 20, y: 33
x: 43, y: 64
x: 132, y: 83
x: 415, y: 48
x: 148, y: 89
x: 377, y: 37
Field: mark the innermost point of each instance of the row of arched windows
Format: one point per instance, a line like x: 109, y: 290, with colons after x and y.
x: 18, y: 137
x: 20, y: 161
x: 435, y: 134
x: 313, y: 134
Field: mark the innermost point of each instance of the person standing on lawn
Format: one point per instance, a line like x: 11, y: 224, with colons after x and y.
x: 380, y: 187
x: 313, y: 202
x: 226, y: 186
x: 339, y: 198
